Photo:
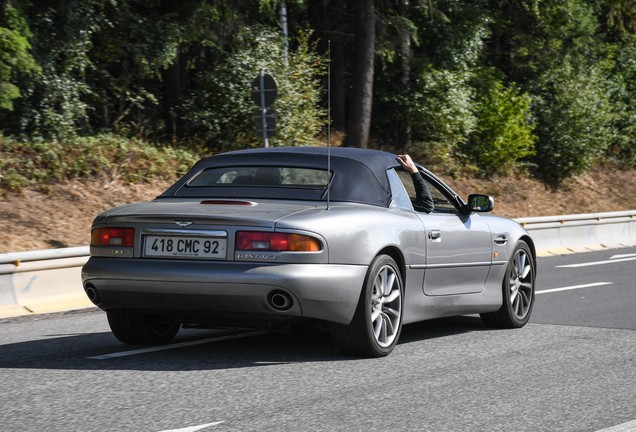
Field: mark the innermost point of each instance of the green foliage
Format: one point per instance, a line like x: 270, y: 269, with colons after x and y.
x: 441, y: 108
x: 439, y: 101
x: 623, y: 101
x: 98, y: 59
x: 104, y: 65
x: 132, y: 44
x: 573, y: 121
x: 482, y: 83
x: 52, y: 101
x: 14, y: 54
x: 555, y: 52
x: 503, y: 134
x: 222, y: 103
x: 530, y: 38
x: 621, y: 17
x: 41, y: 162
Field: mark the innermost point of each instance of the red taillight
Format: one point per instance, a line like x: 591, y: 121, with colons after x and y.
x: 113, y: 237
x: 267, y: 241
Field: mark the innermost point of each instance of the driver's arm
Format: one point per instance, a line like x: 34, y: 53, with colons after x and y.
x: 423, y: 199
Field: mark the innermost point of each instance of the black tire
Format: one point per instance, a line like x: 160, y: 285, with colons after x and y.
x: 377, y: 323
x: 141, y: 329
x: 518, y: 291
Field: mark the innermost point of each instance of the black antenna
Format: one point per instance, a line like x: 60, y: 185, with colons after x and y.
x: 328, y: 124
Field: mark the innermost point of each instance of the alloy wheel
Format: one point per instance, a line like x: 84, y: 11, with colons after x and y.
x: 521, y: 284
x: 386, y: 306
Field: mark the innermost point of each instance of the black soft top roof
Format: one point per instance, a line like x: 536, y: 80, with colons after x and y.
x: 359, y: 175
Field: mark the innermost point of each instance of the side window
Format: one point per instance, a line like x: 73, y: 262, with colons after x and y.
x: 442, y: 204
x: 407, y: 182
x: 399, y: 195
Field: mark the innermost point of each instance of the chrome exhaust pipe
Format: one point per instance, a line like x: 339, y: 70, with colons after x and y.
x: 93, y: 294
x: 280, y: 300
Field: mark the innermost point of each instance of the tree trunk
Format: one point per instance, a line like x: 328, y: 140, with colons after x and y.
x: 362, y: 81
x: 282, y: 17
x: 171, y: 75
x: 335, y: 28
x: 105, y: 113
x: 171, y: 93
x: 404, y: 131
x: 338, y: 85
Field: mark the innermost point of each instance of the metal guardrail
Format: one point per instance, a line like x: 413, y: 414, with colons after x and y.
x: 40, y: 255
x: 582, y: 232
x: 42, y: 281
x: 50, y: 280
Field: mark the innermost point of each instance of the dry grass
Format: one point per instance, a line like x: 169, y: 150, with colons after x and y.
x: 600, y: 190
x: 35, y: 220
x: 62, y: 218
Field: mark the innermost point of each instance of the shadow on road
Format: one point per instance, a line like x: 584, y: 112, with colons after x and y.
x: 72, y: 351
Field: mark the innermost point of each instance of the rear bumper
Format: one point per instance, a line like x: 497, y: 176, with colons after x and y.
x: 198, y: 291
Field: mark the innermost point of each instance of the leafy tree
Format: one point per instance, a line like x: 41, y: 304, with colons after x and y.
x: 221, y: 108
x: 623, y: 101
x: 479, y: 82
x: 620, y: 16
x: 553, y: 51
x: 438, y: 104
x: 362, y: 78
x: 574, y: 115
x: 531, y: 37
x: 53, y: 100
x: 14, y: 53
x: 503, y: 132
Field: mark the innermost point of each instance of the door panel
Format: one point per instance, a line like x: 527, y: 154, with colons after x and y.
x: 458, y: 246
x: 458, y: 253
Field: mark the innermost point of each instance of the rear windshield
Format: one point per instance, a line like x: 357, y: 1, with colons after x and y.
x: 308, y: 178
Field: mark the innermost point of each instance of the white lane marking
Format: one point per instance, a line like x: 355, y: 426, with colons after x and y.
x: 573, y: 287
x: 622, y: 256
x: 177, y: 345
x: 194, y: 428
x: 625, y: 427
x: 611, y: 261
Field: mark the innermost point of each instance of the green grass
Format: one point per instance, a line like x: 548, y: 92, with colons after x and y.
x: 39, y: 162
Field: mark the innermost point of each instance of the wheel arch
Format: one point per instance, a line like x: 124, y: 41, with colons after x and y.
x: 368, y: 335
x: 395, y: 253
x: 516, y: 307
x: 526, y: 238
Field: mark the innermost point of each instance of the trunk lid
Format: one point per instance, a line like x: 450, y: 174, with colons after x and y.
x: 162, y: 211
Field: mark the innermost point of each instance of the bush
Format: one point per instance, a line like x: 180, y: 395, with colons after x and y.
x: 14, y: 53
x: 573, y: 115
x: 503, y: 134
x: 39, y: 161
x: 442, y: 108
x: 623, y: 147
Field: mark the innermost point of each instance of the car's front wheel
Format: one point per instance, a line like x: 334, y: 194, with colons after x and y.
x: 141, y: 329
x: 377, y: 323
x: 518, y: 291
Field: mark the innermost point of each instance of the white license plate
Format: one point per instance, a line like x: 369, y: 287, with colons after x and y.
x: 197, y: 247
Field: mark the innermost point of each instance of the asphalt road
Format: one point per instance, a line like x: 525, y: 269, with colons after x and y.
x: 571, y: 369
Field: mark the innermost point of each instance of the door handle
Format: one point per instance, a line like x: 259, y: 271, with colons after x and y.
x: 434, y: 234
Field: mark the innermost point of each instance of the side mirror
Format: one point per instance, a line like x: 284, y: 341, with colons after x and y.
x: 480, y: 203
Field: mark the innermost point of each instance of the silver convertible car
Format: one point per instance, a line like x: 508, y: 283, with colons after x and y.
x: 268, y: 238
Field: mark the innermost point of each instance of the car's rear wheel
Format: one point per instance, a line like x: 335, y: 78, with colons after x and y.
x: 518, y: 291
x: 377, y: 323
x: 141, y: 329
